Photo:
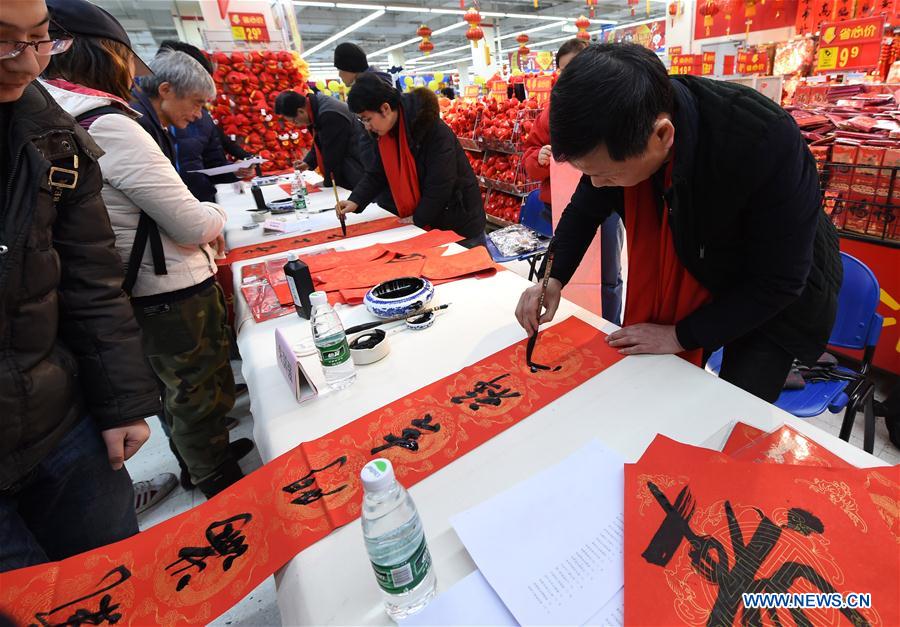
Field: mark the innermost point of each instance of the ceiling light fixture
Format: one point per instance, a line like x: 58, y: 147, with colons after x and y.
x: 372, y: 16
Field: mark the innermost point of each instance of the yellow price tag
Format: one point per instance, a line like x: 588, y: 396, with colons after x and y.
x: 827, y: 58
x: 237, y: 32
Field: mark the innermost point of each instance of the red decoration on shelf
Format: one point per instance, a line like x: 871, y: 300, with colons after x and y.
x: 425, y: 45
x: 582, y: 23
x: 247, y: 84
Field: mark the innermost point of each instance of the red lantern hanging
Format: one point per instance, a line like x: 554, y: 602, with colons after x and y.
x: 582, y: 23
x: 632, y: 4
x: 708, y: 10
x: 673, y: 11
x: 590, y: 7
x: 425, y: 45
x: 729, y: 8
x: 473, y: 19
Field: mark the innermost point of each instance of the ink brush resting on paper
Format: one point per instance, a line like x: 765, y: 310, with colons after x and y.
x: 532, y: 341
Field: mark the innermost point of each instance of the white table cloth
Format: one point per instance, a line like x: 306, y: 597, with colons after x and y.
x: 331, y: 582
x: 237, y: 204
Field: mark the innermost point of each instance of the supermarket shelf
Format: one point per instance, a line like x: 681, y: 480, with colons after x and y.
x: 509, y: 188
x: 470, y: 144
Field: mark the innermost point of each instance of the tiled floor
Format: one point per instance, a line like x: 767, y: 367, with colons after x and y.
x: 259, y: 608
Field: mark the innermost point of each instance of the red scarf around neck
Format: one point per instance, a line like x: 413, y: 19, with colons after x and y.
x: 400, y: 168
x: 660, y: 289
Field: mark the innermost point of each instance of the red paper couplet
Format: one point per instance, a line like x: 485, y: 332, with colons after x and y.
x: 191, y: 568
x: 702, y: 529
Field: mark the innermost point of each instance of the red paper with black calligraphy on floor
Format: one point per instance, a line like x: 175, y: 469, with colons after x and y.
x: 701, y: 529
x: 191, y: 568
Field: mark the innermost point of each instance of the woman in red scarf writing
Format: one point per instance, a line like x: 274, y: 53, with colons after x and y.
x: 418, y: 158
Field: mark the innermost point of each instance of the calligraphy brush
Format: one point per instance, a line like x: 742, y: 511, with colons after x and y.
x: 532, y: 341
x: 371, y: 325
x: 337, y: 201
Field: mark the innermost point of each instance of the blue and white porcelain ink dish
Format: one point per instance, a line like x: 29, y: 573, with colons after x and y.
x: 399, y: 297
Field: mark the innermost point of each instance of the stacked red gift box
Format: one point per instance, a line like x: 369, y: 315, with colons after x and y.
x: 247, y: 84
x: 855, y: 139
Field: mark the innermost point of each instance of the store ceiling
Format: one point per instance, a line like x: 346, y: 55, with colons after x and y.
x: 151, y: 21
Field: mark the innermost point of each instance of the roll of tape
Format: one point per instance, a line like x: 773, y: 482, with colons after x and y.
x: 369, y: 347
x: 417, y: 323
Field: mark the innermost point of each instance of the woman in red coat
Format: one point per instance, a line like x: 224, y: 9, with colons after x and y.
x: 537, y: 166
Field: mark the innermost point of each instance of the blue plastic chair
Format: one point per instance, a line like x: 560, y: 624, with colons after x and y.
x: 856, y: 326
x: 532, y: 216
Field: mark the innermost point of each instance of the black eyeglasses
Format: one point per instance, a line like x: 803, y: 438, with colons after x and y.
x: 46, y: 47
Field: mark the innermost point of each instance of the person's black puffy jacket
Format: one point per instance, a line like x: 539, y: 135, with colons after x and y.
x: 450, y: 197
x: 746, y: 220
x: 69, y: 343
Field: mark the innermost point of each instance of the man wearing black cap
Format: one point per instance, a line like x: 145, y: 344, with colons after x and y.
x: 350, y: 61
x: 74, y: 387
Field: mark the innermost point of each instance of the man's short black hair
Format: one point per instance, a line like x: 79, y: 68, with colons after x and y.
x: 610, y: 94
x: 192, y: 51
x: 288, y: 102
x: 369, y: 92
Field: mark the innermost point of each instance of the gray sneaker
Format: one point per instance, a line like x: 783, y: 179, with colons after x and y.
x: 149, y: 493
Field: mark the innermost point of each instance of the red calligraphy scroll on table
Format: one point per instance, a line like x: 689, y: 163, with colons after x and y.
x: 191, y: 568
x: 702, y: 529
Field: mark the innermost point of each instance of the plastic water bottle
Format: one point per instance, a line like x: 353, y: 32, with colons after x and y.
x: 395, y: 541
x: 331, y: 343
x: 299, y: 193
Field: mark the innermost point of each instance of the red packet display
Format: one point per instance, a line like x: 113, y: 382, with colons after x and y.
x: 700, y: 532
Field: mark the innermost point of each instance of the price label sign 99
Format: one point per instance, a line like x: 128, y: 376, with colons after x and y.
x: 850, y: 45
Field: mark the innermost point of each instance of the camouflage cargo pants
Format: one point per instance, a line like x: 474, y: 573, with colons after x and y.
x: 187, y: 345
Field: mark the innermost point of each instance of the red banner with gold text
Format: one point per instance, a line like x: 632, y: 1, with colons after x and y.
x: 191, y: 568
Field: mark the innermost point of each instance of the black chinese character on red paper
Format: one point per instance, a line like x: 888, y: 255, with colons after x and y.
x: 225, y: 541
x: 409, y: 437
x: 304, y: 483
x: 486, y: 393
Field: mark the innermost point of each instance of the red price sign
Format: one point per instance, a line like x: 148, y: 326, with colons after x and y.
x: 687, y: 64
x: 850, y: 45
x: 709, y: 63
x: 248, y: 27
x: 471, y: 92
x: 538, y: 87
x: 674, y: 51
x: 498, y: 90
x: 750, y: 62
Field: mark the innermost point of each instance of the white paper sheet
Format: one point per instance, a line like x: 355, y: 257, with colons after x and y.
x: 472, y: 601
x: 552, y: 546
x: 231, y: 167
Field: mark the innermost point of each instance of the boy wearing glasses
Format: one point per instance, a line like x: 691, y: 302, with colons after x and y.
x: 74, y: 387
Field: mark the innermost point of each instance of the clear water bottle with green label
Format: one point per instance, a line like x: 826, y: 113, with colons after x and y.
x: 331, y: 343
x: 299, y: 195
x: 395, y: 541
